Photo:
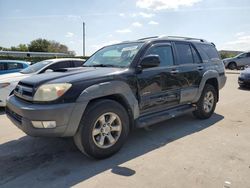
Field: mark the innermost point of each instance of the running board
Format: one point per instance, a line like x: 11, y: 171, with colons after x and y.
x: 154, y: 118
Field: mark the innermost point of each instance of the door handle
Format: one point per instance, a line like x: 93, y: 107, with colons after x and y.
x: 174, y: 71
x: 200, y: 67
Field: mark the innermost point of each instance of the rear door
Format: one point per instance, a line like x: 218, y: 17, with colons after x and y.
x: 159, y: 87
x: 190, y: 70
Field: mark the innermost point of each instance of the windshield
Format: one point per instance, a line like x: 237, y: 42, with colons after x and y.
x: 119, y: 55
x: 36, y: 67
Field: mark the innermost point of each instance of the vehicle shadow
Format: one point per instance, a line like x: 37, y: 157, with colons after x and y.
x: 48, y: 162
x: 2, y: 111
x: 244, y: 88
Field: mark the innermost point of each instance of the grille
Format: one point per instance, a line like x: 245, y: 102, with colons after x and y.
x: 24, y: 91
x: 14, y: 115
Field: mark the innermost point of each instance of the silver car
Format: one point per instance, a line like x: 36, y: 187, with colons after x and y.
x: 238, y: 61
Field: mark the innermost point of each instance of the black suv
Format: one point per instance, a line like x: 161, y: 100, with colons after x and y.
x: 124, y: 86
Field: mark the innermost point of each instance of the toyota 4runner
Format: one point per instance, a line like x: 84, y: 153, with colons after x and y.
x: 124, y: 86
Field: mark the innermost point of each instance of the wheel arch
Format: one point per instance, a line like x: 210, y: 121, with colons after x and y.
x: 209, y: 77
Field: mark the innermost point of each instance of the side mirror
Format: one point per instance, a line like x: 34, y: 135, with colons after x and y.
x: 49, y: 70
x: 150, y: 61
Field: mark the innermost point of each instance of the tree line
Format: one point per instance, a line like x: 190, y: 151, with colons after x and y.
x: 41, y: 45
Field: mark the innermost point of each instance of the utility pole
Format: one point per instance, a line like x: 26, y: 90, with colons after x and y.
x: 83, y: 39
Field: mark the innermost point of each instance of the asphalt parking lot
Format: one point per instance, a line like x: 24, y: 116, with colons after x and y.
x: 182, y: 152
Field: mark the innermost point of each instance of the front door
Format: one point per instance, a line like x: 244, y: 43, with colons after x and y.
x: 158, y: 87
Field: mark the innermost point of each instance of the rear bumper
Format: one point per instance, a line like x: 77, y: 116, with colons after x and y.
x: 67, y: 117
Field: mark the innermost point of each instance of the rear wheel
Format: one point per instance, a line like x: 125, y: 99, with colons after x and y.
x: 232, y: 66
x: 207, y: 102
x: 103, y: 129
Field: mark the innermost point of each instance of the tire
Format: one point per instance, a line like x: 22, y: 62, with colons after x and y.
x: 100, y: 120
x: 232, y: 66
x: 204, y: 111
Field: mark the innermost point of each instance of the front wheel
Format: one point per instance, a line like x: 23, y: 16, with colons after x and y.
x: 207, y: 102
x: 103, y: 129
x: 232, y: 66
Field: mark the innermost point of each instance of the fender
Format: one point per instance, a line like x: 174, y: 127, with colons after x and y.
x: 97, y: 91
x: 206, y: 76
x: 111, y: 88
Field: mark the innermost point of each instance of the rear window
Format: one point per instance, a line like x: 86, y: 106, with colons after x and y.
x: 207, y: 52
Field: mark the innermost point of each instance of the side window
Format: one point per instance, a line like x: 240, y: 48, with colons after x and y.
x: 19, y: 65
x: 165, y: 54
x: 12, y: 66
x: 184, y: 53
x: 60, y: 65
x: 248, y: 54
x: 196, y: 57
x: 78, y: 63
x: 209, y: 50
x: 2, y: 67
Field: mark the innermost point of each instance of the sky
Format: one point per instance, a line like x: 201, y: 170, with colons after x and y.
x: 224, y: 22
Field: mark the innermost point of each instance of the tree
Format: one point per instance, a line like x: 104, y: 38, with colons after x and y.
x: 39, y: 45
x: 57, y: 47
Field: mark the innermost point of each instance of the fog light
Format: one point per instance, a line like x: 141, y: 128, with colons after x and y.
x: 37, y: 124
x: 44, y: 124
x: 49, y: 124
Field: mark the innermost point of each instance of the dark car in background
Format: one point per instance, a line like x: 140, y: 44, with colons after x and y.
x: 244, y: 78
x: 10, y: 66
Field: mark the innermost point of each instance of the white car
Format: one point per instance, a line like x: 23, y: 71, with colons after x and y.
x: 8, y: 82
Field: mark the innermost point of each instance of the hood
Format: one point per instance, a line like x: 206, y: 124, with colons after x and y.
x: 70, y: 75
x: 246, y: 70
x: 13, y: 77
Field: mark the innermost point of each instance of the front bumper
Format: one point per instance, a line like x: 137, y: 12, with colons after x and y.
x: 67, y: 117
x: 244, y: 81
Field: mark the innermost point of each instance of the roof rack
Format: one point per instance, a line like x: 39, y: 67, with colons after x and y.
x: 185, y: 38
x: 173, y: 37
x: 149, y: 38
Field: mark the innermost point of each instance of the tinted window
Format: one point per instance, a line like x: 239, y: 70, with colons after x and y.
x: 60, y: 65
x: 2, y: 66
x: 184, y: 53
x: 165, y: 54
x: 78, y: 63
x: 196, y: 57
x: 248, y: 54
x: 209, y: 50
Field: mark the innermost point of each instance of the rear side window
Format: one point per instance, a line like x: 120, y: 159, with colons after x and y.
x: 184, y: 53
x: 208, y: 52
x: 165, y: 54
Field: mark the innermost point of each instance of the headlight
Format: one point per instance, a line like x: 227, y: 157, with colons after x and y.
x: 50, y: 92
x: 2, y: 85
x: 242, y: 75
